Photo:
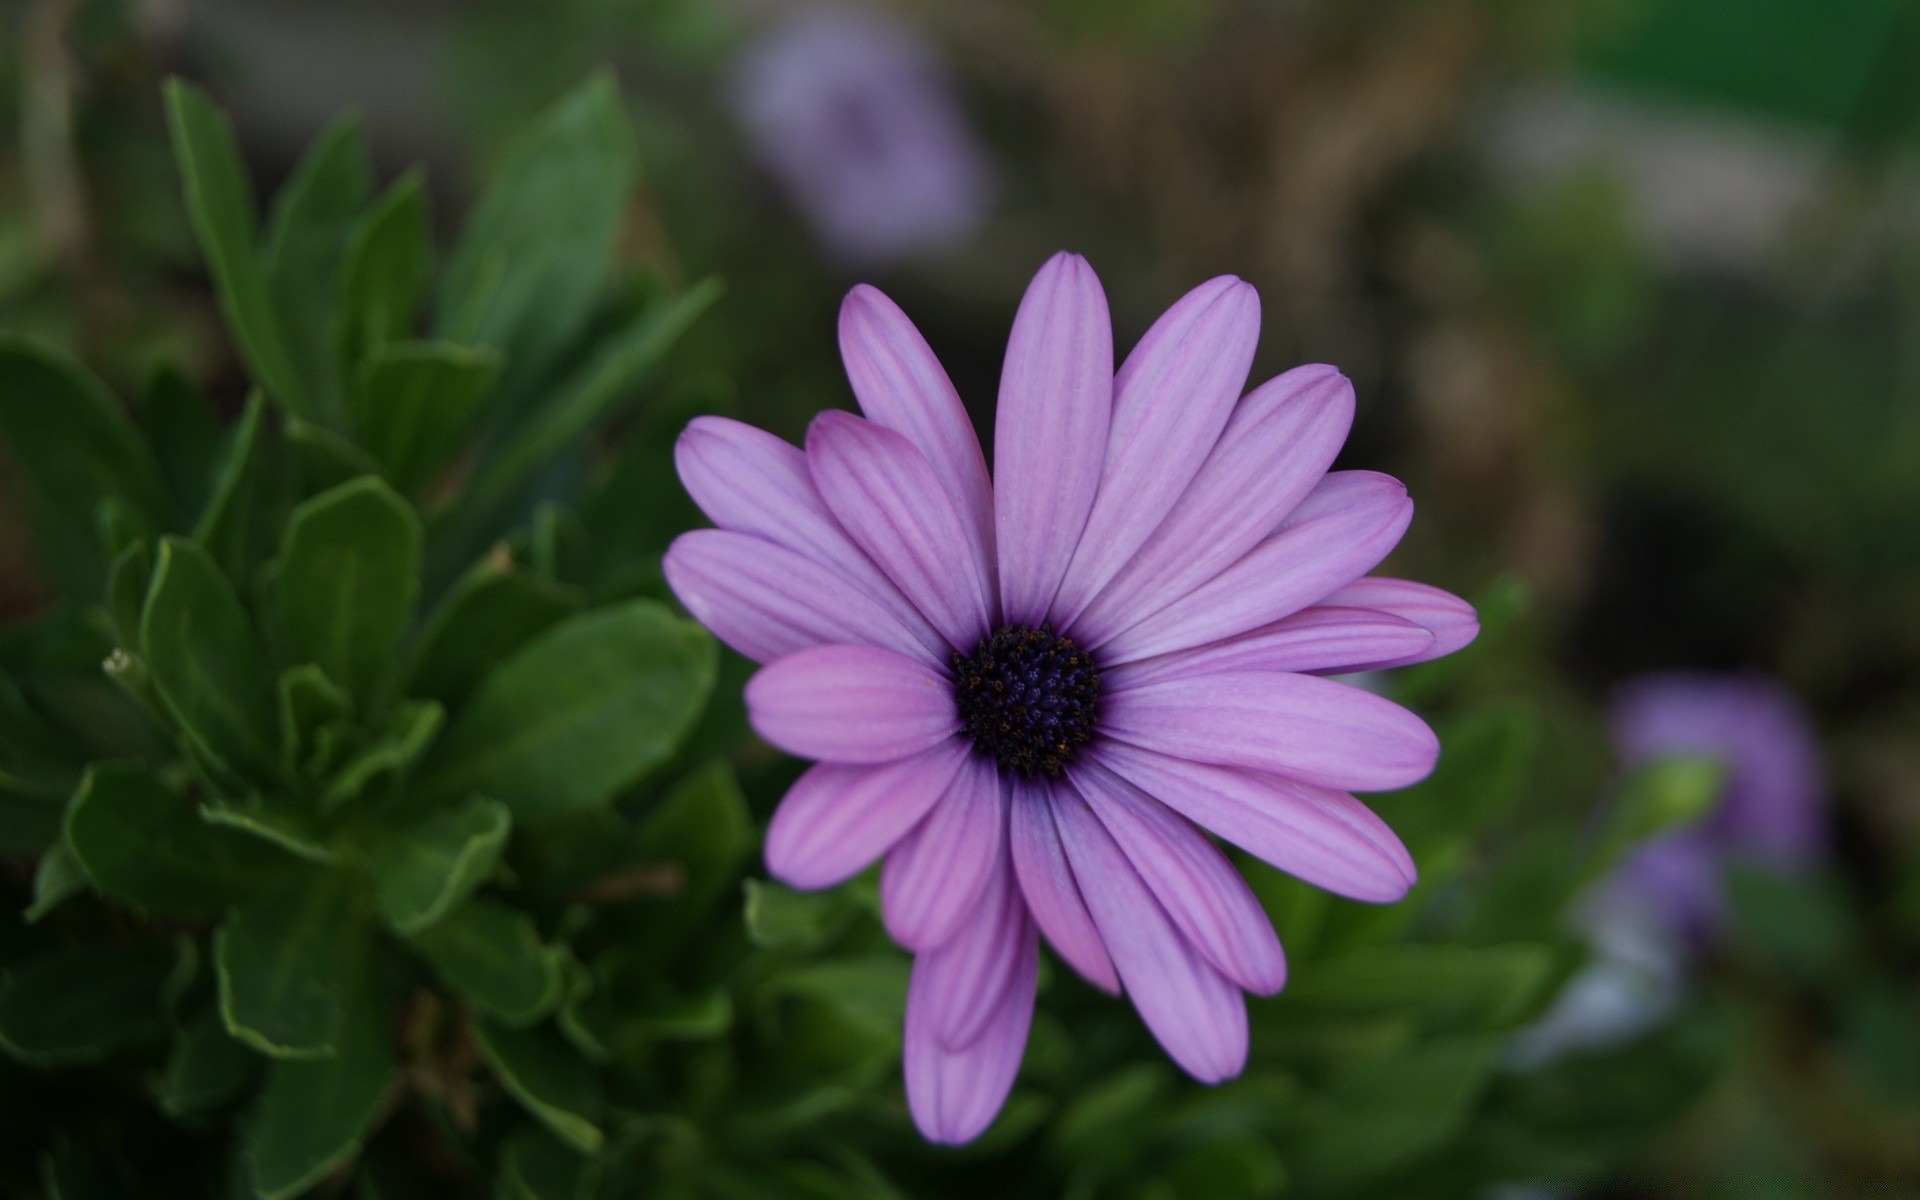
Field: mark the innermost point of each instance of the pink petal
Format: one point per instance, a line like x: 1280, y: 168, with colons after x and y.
x: 1199, y: 889
x: 1450, y: 619
x: 1050, y: 431
x: 935, y: 877
x: 876, y: 484
x: 1053, y: 898
x: 749, y: 481
x: 1302, y: 726
x: 1194, y: 1011
x: 901, y: 385
x: 836, y: 819
x: 1313, y: 639
x: 1276, y: 446
x: 966, y: 975
x: 1341, y: 531
x: 1326, y: 838
x: 1171, y: 399
x: 954, y: 1094
x: 767, y: 601
x: 851, y: 704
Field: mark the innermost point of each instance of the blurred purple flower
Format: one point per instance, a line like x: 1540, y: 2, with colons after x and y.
x: 1031, y: 692
x: 1772, y: 807
x: 853, y: 114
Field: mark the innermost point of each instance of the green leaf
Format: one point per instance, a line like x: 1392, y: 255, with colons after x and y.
x: 185, y: 433
x: 290, y: 829
x: 544, y: 1074
x: 313, y: 216
x: 535, y: 1165
x: 1492, y: 987
x: 204, y: 661
x: 347, y: 577
x: 1663, y: 795
x: 230, y: 525
x: 82, y: 1002
x: 780, y: 918
x: 386, y: 271
x: 414, y: 400
x: 35, y: 758
x: 57, y: 877
x: 283, y: 959
x: 143, y: 843
x: 538, y: 248
x: 492, y: 955
x: 591, y: 395
x: 310, y: 704
x: 205, y: 1069
x: 703, y: 827
x: 128, y: 581
x: 1799, y: 921
x: 426, y: 866
x: 72, y: 446
x: 317, y: 458
x: 221, y: 205
x: 315, y: 1114
x: 392, y: 751
x: 580, y: 713
x: 489, y: 616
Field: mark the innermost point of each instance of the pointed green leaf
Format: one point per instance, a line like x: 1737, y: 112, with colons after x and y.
x: 544, y: 1074
x: 580, y: 713
x: 346, y: 578
x: 290, y: 829
x: 73, y: 447
x: 143, y: 843
x: 493, y: 956
x: 230, y: 526
x: 319, y: 459
x: 780, y: 918
x: 283, y: 959
x: 204, y: 661
x: 205, y: 1069
x: 310, y: 703
x: 313, y: 216
x: 413, y: 402
x: 535, y: 254
x: 314, y: 1115
x: 185, y: 433
x: 81, y: 1002
x: 489, y: 616
x: 57, y: 877
x: 385, y: 273
x: 128, y: 582
x: 426, y: 866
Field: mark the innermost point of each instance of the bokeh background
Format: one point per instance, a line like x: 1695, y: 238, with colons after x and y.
x: 1629, y: 290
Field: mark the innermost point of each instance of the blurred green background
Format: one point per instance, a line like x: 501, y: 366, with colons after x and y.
x: 1630, y: 292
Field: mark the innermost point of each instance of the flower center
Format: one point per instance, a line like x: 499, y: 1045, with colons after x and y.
x: 1027, y: 698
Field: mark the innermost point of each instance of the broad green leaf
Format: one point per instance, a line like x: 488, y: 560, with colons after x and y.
x: 414, y: 400
x: 283, y: 959
x: 346, y: 579
x: 539, y: 246
x: 590, y: 396
x: 208, y: 669
x: 35, y: 758
x: 291, y: 829
x: 57, y: 877
x: 395, y: 748
x: 230, y: 526
x: 221, y: 205
x: 780, y: 918
x: 544, y: 1074
x: 80, y: 1002
x: 698, y: 1018
x: 128, y: 581
x: 318, y: 459
x: 535, y: 1165
x: 143, y: 843
x: 313, y: 216
x: 310, y: 704
x: 426, y: 866
x: 385, y: 273
x: 489, y: 616
x: 206, y: 1068
x: 185, y: 433
x: 73, y: 447
x: 314, y: 1115
x: 704, y: 829
x: 492, y: 955
x: 580, y: 713
x: 1489, y: 987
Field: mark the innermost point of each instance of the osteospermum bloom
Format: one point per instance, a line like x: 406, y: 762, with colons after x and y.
x: 1035, y: 693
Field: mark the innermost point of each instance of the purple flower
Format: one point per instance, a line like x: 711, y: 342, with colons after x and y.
x: 852, y: 114
x: 1772, y: 808
x: 1031, y: 693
